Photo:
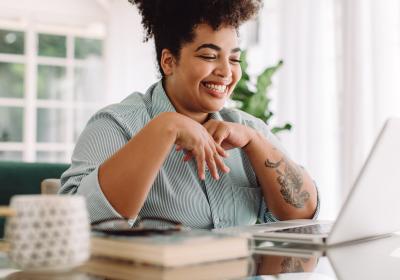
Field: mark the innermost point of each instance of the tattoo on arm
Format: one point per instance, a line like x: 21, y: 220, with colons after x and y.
x: 290, y: 264
x: 291, y: 180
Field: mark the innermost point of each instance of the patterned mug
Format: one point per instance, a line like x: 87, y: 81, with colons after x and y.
x: 48, y: 232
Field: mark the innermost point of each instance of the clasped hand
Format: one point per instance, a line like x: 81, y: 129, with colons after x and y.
x: 208, y: 143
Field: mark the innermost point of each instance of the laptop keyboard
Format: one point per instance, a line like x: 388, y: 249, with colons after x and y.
x: 312, y: 229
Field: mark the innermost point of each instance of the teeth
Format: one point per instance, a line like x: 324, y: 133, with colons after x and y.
x: 220, y: 88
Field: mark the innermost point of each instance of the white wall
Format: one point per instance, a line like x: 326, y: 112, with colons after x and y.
x: 71, y: 12
x: 131, y: 64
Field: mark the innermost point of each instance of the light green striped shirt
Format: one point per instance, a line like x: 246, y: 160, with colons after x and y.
x: 177, y: 192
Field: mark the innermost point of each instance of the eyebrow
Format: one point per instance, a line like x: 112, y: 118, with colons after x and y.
x: 215, y: 47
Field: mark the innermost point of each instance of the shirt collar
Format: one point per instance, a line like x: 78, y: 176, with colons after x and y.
x: 159, y: 100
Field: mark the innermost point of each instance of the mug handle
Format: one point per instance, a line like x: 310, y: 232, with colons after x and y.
x: 6, y: 211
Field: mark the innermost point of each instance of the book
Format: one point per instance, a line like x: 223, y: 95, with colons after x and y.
x: 126, y: 270
x: 172, y: 249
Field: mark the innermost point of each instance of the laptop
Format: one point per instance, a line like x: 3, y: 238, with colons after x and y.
x: 371, y: 209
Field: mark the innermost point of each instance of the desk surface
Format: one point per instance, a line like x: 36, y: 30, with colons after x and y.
x: 375, y: 259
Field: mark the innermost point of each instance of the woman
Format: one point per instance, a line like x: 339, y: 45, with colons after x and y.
x: 175, y: 152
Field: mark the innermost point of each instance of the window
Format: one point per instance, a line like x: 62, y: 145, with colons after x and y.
x: 51, y: 82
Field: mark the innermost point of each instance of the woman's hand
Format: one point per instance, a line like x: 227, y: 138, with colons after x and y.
x: 198, y: 143
x: 229, y: 135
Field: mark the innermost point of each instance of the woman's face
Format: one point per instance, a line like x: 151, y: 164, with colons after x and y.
x: 206, y: 73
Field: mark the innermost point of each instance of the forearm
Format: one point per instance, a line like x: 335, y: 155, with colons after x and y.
x: 288, y: 189
x: 126, y: 177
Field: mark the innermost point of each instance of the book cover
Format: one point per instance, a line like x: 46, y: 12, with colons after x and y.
x: 126, y: 270
x: 172, y: 249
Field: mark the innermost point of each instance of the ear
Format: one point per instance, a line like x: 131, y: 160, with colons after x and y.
x: 167, y: 62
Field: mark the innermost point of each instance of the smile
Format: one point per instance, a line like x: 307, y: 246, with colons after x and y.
x: 220, y: 88
x: 215, y: 88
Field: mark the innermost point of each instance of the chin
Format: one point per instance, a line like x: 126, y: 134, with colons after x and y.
x: 214, y: 108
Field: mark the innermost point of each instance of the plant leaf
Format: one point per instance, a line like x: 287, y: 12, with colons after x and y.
x: 256, y: 102
x: 264, y: 80
x: 279, y: 129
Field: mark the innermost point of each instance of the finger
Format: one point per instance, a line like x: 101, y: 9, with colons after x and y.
x: 227, y: 146
x: 200, y: 160
x: 221, y: 164
x: 210, y: 127
x: 220, y: 135
x: 212, y: 166
x: 218, y: 160
x: 221, y: 151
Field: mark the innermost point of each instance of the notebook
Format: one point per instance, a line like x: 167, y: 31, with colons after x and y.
x: 370, y: 210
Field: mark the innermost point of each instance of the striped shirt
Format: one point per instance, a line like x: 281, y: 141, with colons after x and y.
x: 177, y: 192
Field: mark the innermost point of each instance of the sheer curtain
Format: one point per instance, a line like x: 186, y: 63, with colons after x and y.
x: 302, y: 33
x: 371, y: 71
x: 340, y: 81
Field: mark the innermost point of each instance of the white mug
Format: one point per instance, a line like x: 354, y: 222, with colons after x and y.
x: 48, y: 232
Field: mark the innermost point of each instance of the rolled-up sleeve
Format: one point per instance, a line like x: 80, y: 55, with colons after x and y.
x: 98, y: 206
x: 102, y: 137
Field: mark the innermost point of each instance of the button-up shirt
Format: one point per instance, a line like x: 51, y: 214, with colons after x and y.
x: 177, y: 193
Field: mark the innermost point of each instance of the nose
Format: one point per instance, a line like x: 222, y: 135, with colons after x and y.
x: 223, y: 69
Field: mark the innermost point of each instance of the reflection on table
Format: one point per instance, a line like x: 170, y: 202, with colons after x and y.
x: 374, y: 259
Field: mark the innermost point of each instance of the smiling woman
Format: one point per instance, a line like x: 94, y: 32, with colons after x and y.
x: 196, y: 91
x: 165, y: 153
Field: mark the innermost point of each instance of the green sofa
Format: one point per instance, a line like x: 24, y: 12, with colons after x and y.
x: 24, y: 178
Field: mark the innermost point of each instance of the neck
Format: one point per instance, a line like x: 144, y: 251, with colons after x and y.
x: 200, y: 117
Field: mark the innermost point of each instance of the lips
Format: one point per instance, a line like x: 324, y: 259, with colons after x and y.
x: 216, y: 89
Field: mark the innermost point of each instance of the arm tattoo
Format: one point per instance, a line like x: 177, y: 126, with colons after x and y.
x: 291, y: 180
x: 290, y: 264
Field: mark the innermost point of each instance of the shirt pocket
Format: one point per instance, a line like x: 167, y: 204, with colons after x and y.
x: 247, y: 202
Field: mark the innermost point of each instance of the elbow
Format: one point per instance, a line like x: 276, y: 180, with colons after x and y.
x: 306, y: 211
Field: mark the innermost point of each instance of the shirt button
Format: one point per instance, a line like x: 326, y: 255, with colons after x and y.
x: 216, y: 220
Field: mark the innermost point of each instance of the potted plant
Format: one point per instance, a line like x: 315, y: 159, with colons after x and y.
x: 252, y: 97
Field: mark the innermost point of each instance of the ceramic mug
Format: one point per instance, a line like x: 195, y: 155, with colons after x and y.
x: 48, y: 232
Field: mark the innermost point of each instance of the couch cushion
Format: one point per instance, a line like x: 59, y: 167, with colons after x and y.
x: 24, y: 178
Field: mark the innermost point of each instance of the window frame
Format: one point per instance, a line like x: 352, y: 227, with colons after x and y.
x: 29, y: 147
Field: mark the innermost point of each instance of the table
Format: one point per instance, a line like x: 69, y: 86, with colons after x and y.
x: 374, y: 259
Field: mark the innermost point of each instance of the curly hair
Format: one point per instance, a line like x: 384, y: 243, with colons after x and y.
x: 172, y: 22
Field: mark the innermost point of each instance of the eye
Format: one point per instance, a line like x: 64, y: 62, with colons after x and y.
x: 208, y: 57
x: 235, y: 60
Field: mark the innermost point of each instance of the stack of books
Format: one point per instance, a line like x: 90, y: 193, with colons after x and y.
x: 126, y: 270
x: 171, y: 250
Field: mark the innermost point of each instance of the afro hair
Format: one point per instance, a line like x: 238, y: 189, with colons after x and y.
x: 172, y: 22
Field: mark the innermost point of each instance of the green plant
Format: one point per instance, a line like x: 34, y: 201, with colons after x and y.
x: 253, y: 97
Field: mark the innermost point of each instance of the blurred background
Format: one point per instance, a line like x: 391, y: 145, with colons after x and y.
x: 60, y: 61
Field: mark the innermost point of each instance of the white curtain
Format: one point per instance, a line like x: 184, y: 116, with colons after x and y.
x: 371, y: 72
x: 302, y: 33
x: 340, y: 81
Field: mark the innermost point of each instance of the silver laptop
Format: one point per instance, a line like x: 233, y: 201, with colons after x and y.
x: 372, y: 207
